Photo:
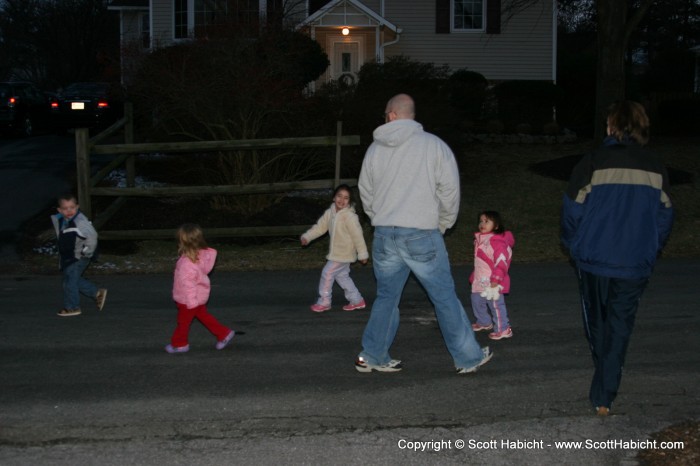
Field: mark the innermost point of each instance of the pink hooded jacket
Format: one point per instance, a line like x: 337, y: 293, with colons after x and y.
x: 492, y: 256
x: 191, y: 285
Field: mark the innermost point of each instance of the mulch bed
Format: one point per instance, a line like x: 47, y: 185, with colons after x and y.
x: 687, y: 432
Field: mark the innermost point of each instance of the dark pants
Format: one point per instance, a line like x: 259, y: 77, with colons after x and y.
x: 609, y: 309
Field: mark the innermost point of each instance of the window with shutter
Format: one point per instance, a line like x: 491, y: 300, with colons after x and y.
x: 198, y: 18
x: 467, y: 15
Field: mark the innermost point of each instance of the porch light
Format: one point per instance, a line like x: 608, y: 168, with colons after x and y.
x: 346, y: 31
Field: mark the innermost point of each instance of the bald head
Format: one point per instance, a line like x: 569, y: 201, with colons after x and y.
x: 401, y: 107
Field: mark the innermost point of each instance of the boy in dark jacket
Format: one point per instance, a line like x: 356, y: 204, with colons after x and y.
x: 77, y: 242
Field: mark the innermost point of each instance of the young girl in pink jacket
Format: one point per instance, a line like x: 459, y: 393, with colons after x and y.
x: 490, y: 280
x: 191, y: 289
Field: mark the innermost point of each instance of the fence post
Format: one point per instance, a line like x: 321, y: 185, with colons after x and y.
x: 338, y: 135
x: 82, y: 160
x: 129, y: 139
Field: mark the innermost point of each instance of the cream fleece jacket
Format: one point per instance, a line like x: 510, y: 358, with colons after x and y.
x: 409, y: 178
x: 347, y: 240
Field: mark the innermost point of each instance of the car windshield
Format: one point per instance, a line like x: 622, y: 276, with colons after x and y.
x: 86, y: 89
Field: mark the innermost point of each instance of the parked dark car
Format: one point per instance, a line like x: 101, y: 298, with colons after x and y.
x: 23, y: 108
x: 87, y: 105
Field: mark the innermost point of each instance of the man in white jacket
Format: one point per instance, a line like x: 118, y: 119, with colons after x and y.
x: 409, y: 186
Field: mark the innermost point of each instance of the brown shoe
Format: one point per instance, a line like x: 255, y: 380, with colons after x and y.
x: 602, y: 411
x: 100, y: 298
x: 69, y: 312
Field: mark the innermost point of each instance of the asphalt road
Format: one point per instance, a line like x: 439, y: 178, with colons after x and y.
x: 100, y: 389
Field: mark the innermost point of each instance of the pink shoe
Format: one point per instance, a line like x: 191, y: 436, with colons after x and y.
x: 507, y: 333
x: 223, y: 343
x: 478, y: 327
x: 358, y: 305
x: 319, y: 307
x: 177, y: 349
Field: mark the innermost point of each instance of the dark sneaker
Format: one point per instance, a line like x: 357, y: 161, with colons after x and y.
x: 69, y: 312
x: 100, y: 298
x: 222, y: 344
x: 352, y: 306
x: 177, y: 349
x: 478, y: 327
x: 470, y: 370
x: 507, y: 333
x: 363, y: 366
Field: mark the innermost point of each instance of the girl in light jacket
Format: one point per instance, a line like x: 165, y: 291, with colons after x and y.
x: 490, y: 280
x: 191, y: 289
x: 346, y: 246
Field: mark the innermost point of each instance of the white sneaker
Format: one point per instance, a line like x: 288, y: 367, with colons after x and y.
x: 363, y: 366
x: 470, y: 370
x: 100, y: 298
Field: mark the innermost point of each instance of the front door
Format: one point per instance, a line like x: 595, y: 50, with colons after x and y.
x: 346, y: 60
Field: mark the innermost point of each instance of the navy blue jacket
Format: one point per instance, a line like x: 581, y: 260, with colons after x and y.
x: 77, y: 238
x: 616, y: 213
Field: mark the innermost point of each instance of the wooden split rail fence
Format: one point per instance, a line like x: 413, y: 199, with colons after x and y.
x: 124, y: 154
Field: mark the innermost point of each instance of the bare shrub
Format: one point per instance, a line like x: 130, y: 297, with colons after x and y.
x: 233, y: 87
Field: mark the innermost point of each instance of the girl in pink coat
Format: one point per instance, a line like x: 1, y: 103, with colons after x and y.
x: 490, y: 281
x: 191, y: 289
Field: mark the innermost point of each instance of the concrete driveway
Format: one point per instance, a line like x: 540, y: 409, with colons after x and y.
x: 99, y: 389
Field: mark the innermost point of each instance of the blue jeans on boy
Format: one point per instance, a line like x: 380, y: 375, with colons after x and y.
x: 74, y: 284
x: 396, y: 252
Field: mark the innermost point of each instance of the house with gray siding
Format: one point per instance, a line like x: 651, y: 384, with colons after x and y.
x: 491, y: 37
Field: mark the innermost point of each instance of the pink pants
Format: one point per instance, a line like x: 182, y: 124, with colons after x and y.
x: 337, y: 272
x: 184, y: 320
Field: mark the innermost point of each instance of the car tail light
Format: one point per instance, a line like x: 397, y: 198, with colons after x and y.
x: 12, y: 102
x: 102, y: 104
x: 54, y: 104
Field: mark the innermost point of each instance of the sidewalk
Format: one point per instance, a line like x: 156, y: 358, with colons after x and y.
x: 99, y: 389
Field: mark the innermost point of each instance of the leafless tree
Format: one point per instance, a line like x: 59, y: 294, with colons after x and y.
x: 617, y: 19
x: 55, y: 42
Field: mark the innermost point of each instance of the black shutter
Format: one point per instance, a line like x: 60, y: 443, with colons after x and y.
x: 493, y: 16
x: 442, y: 16
x: 275, y: 13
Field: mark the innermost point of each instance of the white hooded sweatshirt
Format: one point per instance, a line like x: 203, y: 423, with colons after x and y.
x: 409, y: 178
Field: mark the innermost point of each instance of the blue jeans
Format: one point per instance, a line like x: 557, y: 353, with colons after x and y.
x: 74, y: 284
x: 396, y: 252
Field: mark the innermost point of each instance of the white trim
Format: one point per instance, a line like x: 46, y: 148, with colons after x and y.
x: 371, y: 14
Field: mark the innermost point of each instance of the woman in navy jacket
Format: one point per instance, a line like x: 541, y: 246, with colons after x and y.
x: 616, y: 218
